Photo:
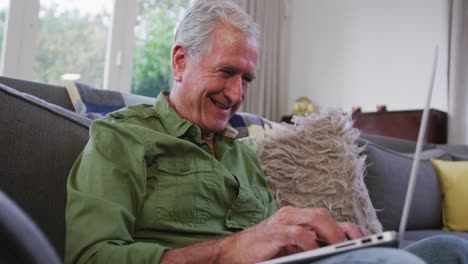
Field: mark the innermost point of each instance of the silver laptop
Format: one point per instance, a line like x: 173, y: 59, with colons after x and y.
x: 387, y: 238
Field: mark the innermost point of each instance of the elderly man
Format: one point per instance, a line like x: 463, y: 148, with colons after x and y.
x: 167, y: 183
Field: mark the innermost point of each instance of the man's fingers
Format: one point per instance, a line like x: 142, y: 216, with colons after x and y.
x: 301, y: 239
x: 309, y: 241
x: 292, y: 230
x: 351, y: 230
x: 318, y: 220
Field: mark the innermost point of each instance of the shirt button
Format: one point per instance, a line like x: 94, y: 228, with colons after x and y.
x: 117, y: 115
x: 184, y: 166
x: 192, y: 132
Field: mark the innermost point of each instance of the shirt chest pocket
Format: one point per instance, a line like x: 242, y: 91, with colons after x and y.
x: 183, y: 190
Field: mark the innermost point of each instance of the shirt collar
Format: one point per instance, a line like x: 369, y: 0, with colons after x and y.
x: 178, y: 126
x: 172, y: 122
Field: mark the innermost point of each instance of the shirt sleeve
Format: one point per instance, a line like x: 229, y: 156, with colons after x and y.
x: 106, y: 187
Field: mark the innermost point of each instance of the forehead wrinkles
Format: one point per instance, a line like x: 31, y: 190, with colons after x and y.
x: 235, y: 49
x: 235, y: 62
x: 230, y: 47
x: 225, y: 35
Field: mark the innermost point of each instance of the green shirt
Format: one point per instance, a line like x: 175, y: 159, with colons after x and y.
x: 146, y: 182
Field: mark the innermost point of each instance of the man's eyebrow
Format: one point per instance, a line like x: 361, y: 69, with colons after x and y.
x: 228, y: 68
x: 247, y: 75
x: 250, y: 76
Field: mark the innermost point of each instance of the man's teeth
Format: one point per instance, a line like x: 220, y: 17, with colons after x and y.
x: 218, y: 104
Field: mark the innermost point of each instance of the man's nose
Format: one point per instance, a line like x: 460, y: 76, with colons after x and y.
x: 234, y: 89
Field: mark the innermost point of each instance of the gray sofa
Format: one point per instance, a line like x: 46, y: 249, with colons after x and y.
x: 41, y: 136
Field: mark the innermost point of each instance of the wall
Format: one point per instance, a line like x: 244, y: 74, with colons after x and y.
x: 346, y: 53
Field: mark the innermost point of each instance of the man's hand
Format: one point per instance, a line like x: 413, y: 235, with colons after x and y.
x: 290, y: 230
x: 351, y: 230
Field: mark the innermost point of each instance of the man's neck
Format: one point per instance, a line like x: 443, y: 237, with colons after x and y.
x: 209, y: 139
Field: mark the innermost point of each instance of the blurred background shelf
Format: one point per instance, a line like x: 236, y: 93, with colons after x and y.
x: 403, y: 124
x: 399, y: 124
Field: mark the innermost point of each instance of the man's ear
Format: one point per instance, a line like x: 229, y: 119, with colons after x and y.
x: 179, y: 59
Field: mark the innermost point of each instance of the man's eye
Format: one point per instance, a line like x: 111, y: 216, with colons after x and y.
x: 248, y: 79
x: 227, y: 73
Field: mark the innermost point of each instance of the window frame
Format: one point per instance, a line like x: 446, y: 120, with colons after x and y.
x: 119, y: 57
x: 20, y: 43
x: 20, y: 36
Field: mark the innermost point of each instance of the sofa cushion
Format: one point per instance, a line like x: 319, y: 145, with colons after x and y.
x: 249, y: 125
x: 316, y: 163
x: 395, y: 144
x: 459, y: 157
x: 51, y: 93
x: 387, y: 181
x: 453, y: 176
x: 94, y: 103
x: 39, y: 143
x: 457, y: 152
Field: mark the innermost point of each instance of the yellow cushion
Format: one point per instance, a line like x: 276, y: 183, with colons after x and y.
x: 453, y: 177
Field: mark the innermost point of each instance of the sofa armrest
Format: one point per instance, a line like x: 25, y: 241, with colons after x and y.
x: 50, y: 93
x: 39, y: 144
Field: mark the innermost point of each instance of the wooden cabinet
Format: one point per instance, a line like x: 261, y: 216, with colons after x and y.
x: 403, y: 124
x: 400, y: 124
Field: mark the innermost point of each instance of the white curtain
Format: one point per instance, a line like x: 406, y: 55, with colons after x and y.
x: 264, y: 95
x: 458, y: 74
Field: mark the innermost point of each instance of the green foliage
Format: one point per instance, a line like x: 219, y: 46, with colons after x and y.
x: 70, y: 42
x: 154, y: 35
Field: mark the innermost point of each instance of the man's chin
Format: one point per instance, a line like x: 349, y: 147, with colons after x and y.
x: 217, y: 127
x: 214, y: 124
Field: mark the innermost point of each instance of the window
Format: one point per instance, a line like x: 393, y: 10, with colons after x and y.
x: 121, y: 45
x: 4, y: 4
x: 154, y: 34
x: 72, y: 39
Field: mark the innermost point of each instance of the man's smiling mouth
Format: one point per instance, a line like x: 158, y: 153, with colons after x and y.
x: 218, y: 104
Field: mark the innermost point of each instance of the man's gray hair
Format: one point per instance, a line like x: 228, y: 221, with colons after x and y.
x: 194, y: 31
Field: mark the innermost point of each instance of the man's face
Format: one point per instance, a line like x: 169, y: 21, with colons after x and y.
x: 209, y: 91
